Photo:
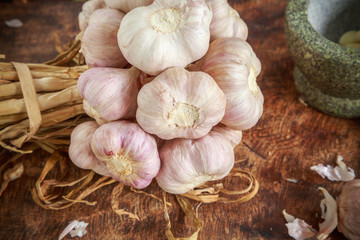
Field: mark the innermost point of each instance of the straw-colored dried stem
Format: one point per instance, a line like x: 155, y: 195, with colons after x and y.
x: 46, y: 84
x: 48, y: 119
x: 46, y: 101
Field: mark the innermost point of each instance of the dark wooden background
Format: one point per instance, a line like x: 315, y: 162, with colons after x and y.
x: 286, y: 142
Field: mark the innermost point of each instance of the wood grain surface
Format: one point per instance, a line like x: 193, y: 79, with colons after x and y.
x: 286, y: 142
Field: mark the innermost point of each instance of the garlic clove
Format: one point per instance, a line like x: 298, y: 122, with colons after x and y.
x: 180, y: 104
x: 109, y: 93
x: 80, y: 151
x: 129, y: 153
x: 349, y: 209
x: 165, y: 34
x: 186, y: 164
x: 234, y: 66
x: 125, y: 5
x: 234, y: 136
x: 226, y: 21
x: 99, y: 42
x: 87, y: 9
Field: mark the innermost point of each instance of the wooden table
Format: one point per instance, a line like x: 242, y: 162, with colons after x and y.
x: 287, y: 141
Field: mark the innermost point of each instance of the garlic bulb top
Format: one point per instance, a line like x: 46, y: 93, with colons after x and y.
x: 109, y: 93
x: 129, y: 153
x: 234, y: 66
x: 349, y: 210
x: 226, y: 21
x: 127, y: 5
x: 80, y: 151
x: 87, y: 9
x: 165, y: 34
x: 186, y: 164
x: 99, y: 42
x: 180, y: 104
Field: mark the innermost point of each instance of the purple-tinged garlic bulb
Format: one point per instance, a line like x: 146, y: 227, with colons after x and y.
x: 234, y: 136
x: 127, y: 5
x: 165, y: 34
x: 99, y: 42
x: 180, y: 104
x: 87, y: 9
x: 234, y: 66
x: 226, y: 21
x: 129, y: 153
x: 80, y: 151
x: 186, y: 163
x: 349, y: 210
x: 109, y: 93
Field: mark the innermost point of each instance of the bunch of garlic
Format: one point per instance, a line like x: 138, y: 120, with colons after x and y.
x: 187, y: 92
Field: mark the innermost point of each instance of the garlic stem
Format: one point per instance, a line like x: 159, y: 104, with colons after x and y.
x: 184, y: 115
x: 253, y: 87
x: 121, y: 163
x: 166, y: 20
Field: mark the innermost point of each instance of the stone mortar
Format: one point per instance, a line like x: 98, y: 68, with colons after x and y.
x: 327, y: 74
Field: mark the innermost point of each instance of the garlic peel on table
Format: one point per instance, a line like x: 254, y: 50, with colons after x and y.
x: 186, y: 164
x: 130, y: 154
x: 299, y: 230
x: 165, y: 34
x: 340, y: 173
x: 180, y: 104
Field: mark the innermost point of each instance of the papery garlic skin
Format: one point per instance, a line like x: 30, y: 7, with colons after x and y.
x: 87, y: 9
x: 129, y: 153
x: 349, y: 210
x: 180, y: 104
x: 80, y: 151
x: 99, y: 42
x: 165, y: 34
x: 109, y: 93
x: 127, y: 5
x: 234, y: 136
x: 226, y: 21
x: 234, y: 66
x: 186, y: 164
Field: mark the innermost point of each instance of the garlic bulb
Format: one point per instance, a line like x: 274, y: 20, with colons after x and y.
x: 99, y: 42
x: 349, y: 210
x: 186, y: 164
x: 234, y: 136
x: 129, y: 153
x: 180, y: 104
x: 87, y: 9
x: 165, y: 34
x: 109, y: 93
x: 234, y: 66
x: 80, y: 151
x: 226, y: 21
x: 127, y: 5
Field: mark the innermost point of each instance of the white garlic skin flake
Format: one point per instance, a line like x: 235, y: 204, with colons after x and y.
x: 234, y: 66
x: 129, y: 153
x: 186, y: 164
x: 109, y: 93
x: 127, y: 5
x: 99, y: 42
x: 180, y: 104
x: 165, y: 34
x: 80, y: 151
